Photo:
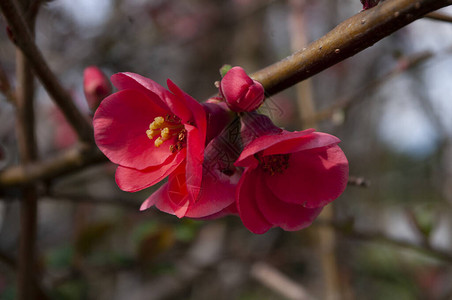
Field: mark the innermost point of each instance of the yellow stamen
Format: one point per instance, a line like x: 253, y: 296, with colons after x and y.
x: 165, y: 133
x: 158, y: 141
x: 165, y: 129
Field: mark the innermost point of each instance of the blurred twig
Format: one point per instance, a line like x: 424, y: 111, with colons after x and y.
x: 27, y: 276
x: 348, y: 229
x: 326, y: 236
x: 70, y: 161
x: 278, y: 282
x: 23, y: 38
x: 5, y: 87
x: 358, y: 181
x: 348, y: 38
x: 403, y: 65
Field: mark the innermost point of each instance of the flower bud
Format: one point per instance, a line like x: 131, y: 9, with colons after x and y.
x: 96, y: 86
x: 240, y: 92
x: 369, y: 3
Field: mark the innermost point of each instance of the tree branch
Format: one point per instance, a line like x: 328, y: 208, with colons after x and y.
x: 23, y: 39
x: 70, y: 161
x: 437, y: 16
x: 348, y: 38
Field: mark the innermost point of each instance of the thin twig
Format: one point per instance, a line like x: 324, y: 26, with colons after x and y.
x: 348, y: 38
x: 70, y: 161
x: 23, y: 38
x: 344, y: 102
x: 347, y: 229
x: 278, y: 282
x: 5, y: 87
x: 26, y: 271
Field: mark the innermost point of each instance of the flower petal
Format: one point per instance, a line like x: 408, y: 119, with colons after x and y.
x: 127, y: 80
x: 217, y: 192
x: 313, y: 179
x: 195, y: 108
x: 169, y: 198
x: 251, y: 217
x: 195, y: 158
x: 120, y: 125
x: 288, y: 216
x: 155, y: 197
x: 132, y: 180
x: 266, y: 141
x: 304, y: 142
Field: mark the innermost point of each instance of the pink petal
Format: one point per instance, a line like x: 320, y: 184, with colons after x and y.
x: 314, y: 177
x: 304, y: 142
x: 195, y: 158
x: 120, y: 125
x: 155, y: 197
x: 170, y: 199
x: 251, y: 217
x: 127, y: 80
x: 132, y: 180
x: 288, y: 216
x: 230, y: 210
x: 217, y: 192
x: 177, y: 191
x: 266, y: 141
x: 195, y: 108
x: 163, y: 201
x: 235, y: 84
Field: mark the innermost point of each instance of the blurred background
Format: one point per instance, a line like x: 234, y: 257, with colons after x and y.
x: 391, y: 105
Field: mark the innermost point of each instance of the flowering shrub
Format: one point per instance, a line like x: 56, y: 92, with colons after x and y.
x: 217, y: 162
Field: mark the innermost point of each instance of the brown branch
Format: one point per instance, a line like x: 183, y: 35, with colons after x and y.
x: 23, y: 38
x: 5, y: 87
x: 26, y: 137
x: 348, y: 38
x: 70, y: 161
x: 439, y: 17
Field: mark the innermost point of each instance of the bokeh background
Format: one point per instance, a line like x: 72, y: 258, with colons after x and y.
x: 391, y: 105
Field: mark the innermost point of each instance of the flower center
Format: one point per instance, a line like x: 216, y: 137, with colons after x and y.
x: 272, y: 164
x: 166, y: 128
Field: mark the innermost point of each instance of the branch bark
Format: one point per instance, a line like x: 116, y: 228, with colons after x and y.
x: 24, y: 40
x: 348, y: 38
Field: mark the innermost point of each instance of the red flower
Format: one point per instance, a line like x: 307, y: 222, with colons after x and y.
x: 216, y: 195
x: 150, y: 132
x: 288, y: 178
x: 95, y: 86
x: 240, y: 92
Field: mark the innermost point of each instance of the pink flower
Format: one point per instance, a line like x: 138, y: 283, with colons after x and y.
x: 288, y: 178
x: 240, y: 92
x: 216, y: 195
x: 150, y: 132
x: 95, y: 86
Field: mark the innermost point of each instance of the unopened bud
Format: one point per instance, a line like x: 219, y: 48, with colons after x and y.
x: 240, y: 92
x: 96, y: 86
x: 369, y: 3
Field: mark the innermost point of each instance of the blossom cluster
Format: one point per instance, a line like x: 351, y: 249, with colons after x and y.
x: 220, y: 157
